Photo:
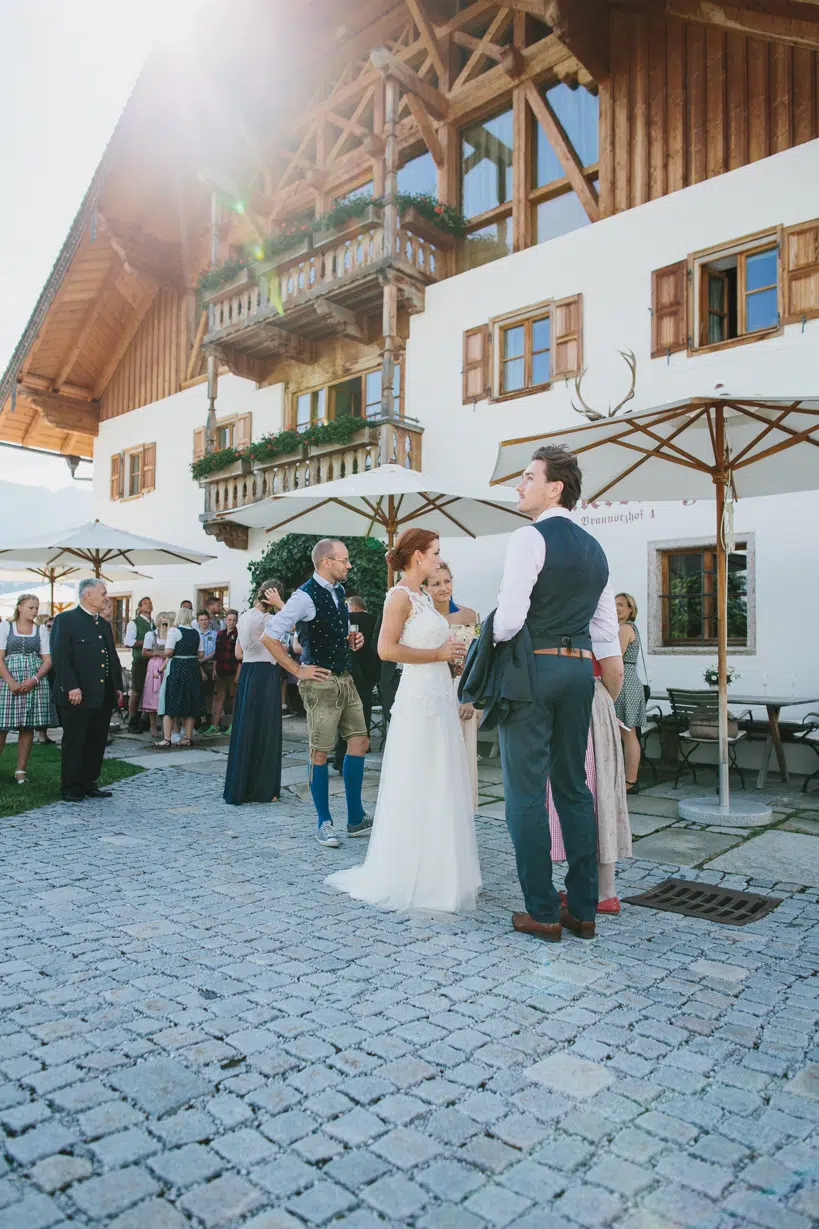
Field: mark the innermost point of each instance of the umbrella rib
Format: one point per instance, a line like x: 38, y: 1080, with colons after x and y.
x: 376, y: 511
x: 668, y: 442
x: 296, y: 515
x: 435, y: 507
x: 766, y: 430
x: 798, y: 437
x: 642, y: 461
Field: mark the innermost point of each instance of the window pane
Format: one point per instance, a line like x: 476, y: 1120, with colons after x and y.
x: 419, y: 175
x: 486, y: 164
x: 303, y: 411
x: 578, y: 112
x: 760, y: 270
x: 761, y: 310
x: 372, y: 393
x: 488, y: 243
x: 559, y: 216
x: 513, y: 341
x: 513, y: 375
x: 396, y: 387
x: 541, y: 330
x: 540, y: 367
x: 320, y: 405
x: 738, y: 597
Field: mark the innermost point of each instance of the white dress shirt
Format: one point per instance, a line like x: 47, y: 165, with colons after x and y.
x: 525, y: 557
x: 299, y: 608
x: 130, y: 635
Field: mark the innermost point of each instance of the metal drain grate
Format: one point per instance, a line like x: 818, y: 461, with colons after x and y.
x: 706, y: 900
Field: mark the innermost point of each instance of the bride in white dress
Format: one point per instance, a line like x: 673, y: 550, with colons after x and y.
x: 423, y: 853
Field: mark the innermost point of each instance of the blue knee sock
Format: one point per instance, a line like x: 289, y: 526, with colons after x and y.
x: 353, y: 780
x: 320, y: 789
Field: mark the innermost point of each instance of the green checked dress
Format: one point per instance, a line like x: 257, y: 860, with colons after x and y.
x: 23, y: 658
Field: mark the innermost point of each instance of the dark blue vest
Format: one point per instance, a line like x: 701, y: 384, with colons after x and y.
x: 324, y: 639
x: 568, y: 588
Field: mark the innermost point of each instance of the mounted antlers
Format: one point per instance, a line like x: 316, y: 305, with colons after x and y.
x: 595, y: 415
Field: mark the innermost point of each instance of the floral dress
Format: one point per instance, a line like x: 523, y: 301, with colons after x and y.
x: 24, y: 657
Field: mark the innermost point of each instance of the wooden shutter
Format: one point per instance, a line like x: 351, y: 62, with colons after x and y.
x: 567, y: 337
x: 801, y: 272
x: 148, y: 467
x: 115, y: 489
x: 669, y: 309
x: 476, y: 364
x: 198, y: 443
x: 242, y: 430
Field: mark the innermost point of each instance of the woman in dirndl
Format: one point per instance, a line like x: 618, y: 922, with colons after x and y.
x: 25, y: 696
x: 181, y: 698
x: 153, y: 647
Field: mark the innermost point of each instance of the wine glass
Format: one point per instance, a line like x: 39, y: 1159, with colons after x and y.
x: 764, y: 681
x: 792, y: 682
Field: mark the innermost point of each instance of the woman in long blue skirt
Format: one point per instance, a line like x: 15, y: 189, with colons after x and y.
x: 254, y: 768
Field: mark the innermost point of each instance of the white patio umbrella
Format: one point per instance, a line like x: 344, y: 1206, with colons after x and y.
x: 720, y: 448
x: 63, y: 576
x: 50, y: 596
x: 97, y: 547
x: 382, y: 502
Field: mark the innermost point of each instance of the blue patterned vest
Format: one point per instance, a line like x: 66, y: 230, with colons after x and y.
x: 324, y: 639
x: 568, y: 588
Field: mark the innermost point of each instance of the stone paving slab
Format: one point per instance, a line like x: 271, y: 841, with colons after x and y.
x: 195, y: 1031
x: 644, y: 825
x: 782, y: 856
x: 686, y: 846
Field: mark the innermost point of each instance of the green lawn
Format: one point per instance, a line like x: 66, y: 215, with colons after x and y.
x: 44, y: 778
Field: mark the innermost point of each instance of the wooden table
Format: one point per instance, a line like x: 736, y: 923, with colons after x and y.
x: 773, y: 704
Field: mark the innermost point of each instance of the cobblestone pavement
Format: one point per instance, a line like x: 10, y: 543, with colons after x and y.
x: 195, y: 1031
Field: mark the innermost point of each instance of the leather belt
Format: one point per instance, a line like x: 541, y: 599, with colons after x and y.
x: 566, y: 652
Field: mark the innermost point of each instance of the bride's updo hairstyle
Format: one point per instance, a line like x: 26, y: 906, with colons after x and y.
x: 410, y: 541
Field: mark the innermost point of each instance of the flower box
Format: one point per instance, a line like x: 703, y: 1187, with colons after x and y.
x: 371, y: 216
x: 417, y: 224
x: 294, y: 251
x: 243, y: 281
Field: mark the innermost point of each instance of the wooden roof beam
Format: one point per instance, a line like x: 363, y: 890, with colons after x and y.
x: 581, y: 25
x: 89, y: 323
x: 147, y: 257
x: 427, y: 129
x: 743, y: 19
x: 426, y: 29
x: 140, y: 311
x: 45, y: 385
x: 345, y: 322
x: 64, y: 413
x: 435, y: 102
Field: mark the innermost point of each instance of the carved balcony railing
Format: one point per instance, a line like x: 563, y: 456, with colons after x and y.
x: 328, y: 290
x: 379, y: 442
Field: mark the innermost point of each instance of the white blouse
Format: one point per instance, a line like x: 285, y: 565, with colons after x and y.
x: 6, y: 626
x: 153, y: 641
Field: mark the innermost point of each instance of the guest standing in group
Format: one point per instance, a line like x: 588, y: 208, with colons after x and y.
x: 226, y: 669
x: 135, y: 633
x: 25, y: 696
x: 153, y: 650
x: 365, y: 667
x: 439, y: 587
x: 254, y: 767
x: 181, y: 695
x: 207, y: 635
x: 42, y: 730
x: 606, y: 779
x: 630, y: 705
x: 87, y: 685
x: 213, y: 607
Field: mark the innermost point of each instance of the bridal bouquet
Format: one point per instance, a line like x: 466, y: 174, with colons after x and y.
x: 463, y: 633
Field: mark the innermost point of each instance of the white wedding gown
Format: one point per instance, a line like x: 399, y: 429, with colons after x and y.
x: 423, y: 853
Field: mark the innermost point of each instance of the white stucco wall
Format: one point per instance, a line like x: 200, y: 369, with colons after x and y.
x: 610, y: 264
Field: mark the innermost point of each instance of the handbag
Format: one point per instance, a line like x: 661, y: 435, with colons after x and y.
x: 646, y: 685
x: 704, y: 723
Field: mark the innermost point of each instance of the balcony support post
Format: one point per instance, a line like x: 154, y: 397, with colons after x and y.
x: 213, y: 362
x: 390, y: 312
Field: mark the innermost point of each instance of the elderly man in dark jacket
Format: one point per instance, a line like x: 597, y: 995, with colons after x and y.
x: 87, y: 684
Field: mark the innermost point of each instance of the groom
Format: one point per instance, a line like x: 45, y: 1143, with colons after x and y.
x: 333, y: 706
x: 555, y: 581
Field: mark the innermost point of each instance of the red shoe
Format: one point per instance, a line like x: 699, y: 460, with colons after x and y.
x: 612, y: 905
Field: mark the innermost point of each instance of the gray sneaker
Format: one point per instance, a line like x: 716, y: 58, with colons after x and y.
x: 326, y: 835
x: 362, y: 829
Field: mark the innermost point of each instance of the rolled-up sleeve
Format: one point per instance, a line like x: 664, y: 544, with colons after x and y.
x: 603, y: 626
x: 299, y: 608
x: 525, y: 556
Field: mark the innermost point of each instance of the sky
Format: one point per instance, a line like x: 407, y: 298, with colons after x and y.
x: 68, y: 68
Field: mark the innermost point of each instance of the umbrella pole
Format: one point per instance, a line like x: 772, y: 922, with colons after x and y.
x: 390, y: 537
x: 51, y: 584
x: 720, y: 481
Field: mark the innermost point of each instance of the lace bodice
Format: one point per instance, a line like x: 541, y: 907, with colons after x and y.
x: 424, y: 628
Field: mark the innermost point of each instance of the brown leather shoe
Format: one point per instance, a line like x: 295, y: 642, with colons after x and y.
x: 583, y: 930
x: 526, y: 925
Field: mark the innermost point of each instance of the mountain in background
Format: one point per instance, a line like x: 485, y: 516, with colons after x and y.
x: 26, y: 511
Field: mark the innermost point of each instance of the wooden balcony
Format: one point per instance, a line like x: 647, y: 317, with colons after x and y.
x: 326, y: 291
x: 379, y: 442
